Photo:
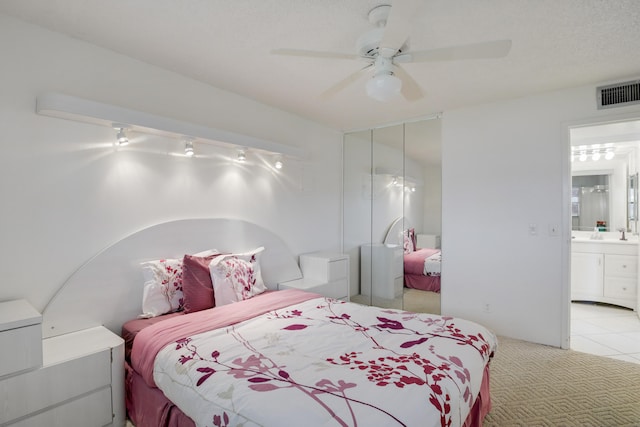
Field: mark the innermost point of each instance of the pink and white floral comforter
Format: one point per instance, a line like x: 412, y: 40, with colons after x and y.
x: 318, y: 362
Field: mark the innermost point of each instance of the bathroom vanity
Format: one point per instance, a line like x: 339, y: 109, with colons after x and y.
x: 605, y: 271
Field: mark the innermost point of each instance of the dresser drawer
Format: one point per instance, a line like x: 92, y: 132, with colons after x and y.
x: 336, y: 289
x: 338, y: 270
x: 621, y: 265
x: 623, y: 288
x: 20, y: 337
x: 20, y: 349
x: 92, y: 410
x: 51, y: 385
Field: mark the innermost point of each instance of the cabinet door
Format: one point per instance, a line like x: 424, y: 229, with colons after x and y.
x: 587, y: 275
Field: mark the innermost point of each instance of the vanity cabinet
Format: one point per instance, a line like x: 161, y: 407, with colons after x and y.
x: 587, y: 274
x: 605, y: 272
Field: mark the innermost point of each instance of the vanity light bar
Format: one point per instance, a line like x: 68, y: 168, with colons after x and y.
x: 86, y: 111
x: 595, y: 153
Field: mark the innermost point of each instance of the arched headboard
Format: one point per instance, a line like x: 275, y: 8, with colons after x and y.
x: 394, y: 234
x: 107, y: 289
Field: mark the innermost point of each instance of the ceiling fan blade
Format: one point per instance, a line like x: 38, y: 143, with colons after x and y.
x: 314, y: 54
x: 410, y: 88
x: 345, y: 82
x: 398, y: 26
x: 492, y: 49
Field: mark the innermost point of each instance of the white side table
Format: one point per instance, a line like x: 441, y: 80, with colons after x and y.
x: 80, y: 384
x: 326, y: 273
x: 20, y: 337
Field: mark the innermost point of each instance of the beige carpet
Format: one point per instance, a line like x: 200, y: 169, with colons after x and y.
x: 536, y: 385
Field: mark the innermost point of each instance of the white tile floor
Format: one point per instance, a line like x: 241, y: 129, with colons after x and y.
x: 605, y: 331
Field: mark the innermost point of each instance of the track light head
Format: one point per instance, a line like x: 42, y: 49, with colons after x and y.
x: 121, y: 136
x: 188, y: 148
x: 242, y: 156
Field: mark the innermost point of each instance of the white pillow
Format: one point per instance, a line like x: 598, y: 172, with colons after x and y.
x: 236, y: 277
x: 163, y: 285
x: 154, y: 303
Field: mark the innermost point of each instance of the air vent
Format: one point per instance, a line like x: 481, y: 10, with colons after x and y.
x: 618, y: 95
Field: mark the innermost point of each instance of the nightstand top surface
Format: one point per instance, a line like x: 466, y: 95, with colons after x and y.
x: 18, y: 314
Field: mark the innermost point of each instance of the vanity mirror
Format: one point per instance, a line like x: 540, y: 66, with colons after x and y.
x: 392, y: 181
x: 604, y: 164
x: 632, y: 203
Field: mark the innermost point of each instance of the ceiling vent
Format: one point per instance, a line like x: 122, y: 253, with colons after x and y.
x: 618, y: 95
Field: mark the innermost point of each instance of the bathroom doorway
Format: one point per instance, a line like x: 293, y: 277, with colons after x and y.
x: 605, y: 160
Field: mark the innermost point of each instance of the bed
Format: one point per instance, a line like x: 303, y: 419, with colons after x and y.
x: 273, y: 357
x: 422, y: 266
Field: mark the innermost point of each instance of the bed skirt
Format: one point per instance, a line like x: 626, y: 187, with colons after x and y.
x: 148, y: 407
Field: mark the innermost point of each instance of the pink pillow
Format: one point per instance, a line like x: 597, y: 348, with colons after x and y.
x: 162, y: 291
x: 236, y: 277
x: 196, y: 283
x: 413, y: 238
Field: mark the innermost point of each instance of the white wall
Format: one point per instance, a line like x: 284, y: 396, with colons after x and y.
x: 67, y: 194
x: 506, y: 166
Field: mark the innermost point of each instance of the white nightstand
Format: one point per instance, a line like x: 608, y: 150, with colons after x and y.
x: 326, y: 273
x: 382, y: 270
x: 80, y: 383
x: 20, y: 337
x: 428, y: 241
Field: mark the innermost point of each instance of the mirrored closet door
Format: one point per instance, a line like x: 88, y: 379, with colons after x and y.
x: 392, y: 208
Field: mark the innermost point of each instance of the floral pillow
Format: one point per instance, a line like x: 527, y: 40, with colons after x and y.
x: 236, y: 277
x: 163, y: 286
x: 409, y: 242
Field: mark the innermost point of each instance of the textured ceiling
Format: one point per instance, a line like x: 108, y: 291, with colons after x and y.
x: 556, y: 44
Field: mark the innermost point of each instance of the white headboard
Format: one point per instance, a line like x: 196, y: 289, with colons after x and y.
x: 394, y: 234
x: 107, y: 289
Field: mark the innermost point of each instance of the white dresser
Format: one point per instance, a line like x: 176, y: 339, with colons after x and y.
x: 381, y: 270
x: 77, y: 382
x: 326, y: 273
x: 605, y: 271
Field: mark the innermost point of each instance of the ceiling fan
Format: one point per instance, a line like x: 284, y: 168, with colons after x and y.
x: 385, y: 47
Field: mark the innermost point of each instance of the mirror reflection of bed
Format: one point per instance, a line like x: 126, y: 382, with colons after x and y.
x: 403, y: 271
x: 389, y: 173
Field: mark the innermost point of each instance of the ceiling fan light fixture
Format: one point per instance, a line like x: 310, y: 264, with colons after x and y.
x: 383, y: 87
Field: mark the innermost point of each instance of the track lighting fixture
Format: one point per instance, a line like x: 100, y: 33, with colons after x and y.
x: 121, y: 136
x: 242, y: 156
x: 188, y: 148
x: 278, y: 163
